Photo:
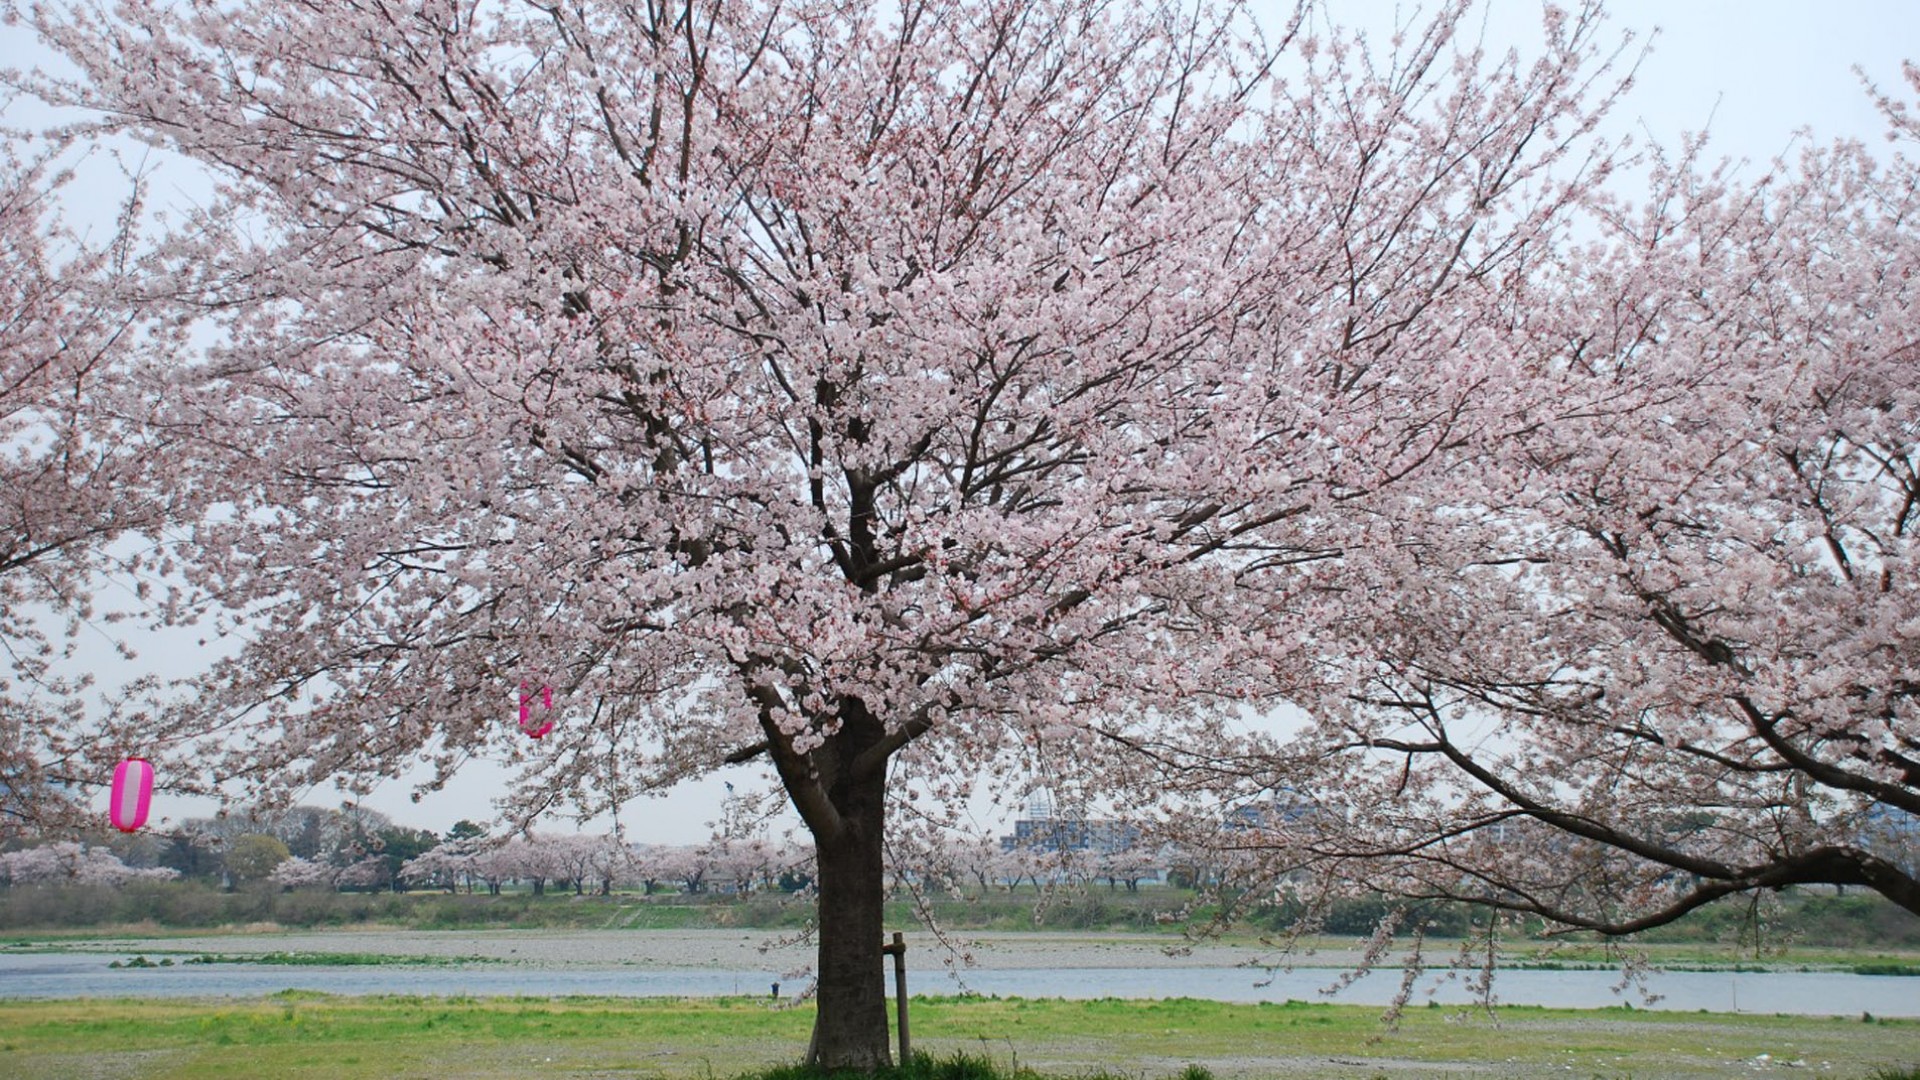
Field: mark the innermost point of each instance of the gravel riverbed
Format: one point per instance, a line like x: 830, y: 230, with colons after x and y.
x: 701, y: 949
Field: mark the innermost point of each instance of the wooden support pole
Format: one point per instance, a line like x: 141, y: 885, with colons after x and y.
x: 898, y: 950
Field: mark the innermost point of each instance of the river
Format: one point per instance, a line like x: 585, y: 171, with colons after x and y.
x: 703, y: 964
x: 62, y: 975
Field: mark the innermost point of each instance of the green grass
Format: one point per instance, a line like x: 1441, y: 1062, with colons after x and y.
x: 1583, y: 953
x: 300, y: 1034
x: 1797, y: 921
x: 1909, y: 970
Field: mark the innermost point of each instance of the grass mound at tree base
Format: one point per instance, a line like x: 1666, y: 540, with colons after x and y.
x: 959, y: 1066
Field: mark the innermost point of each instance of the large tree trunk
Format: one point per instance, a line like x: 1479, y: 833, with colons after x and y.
x: 850, y: 1028
x: 840, y: 789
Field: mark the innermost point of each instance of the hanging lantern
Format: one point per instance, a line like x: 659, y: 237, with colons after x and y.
x: 536, y: 728
x: 132, y: 794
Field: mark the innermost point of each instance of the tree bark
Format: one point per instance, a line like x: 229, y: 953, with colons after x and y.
x: 850, y: 1026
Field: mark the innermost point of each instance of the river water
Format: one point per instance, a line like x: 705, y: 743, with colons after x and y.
x: 69, y: 974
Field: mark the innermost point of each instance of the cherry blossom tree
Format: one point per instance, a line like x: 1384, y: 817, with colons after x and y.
x: 298, y: 873
x: 569, y: 858
x: 69, y: 863
x: 686, y: 865
x: 444, y: 865
x: 648, y: 865
x: 370, y: 873
x: 524, y: 858
x: 905, y: 395
x: 1656, y: 642
x: 1129, y: 866
x: 747, y: 864
x: 494, y: 865
x: 972, y: 858
x: 613, y: 862
x: 73, y: 469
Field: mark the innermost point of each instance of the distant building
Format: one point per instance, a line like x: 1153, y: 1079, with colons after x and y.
x: 1043, y: 830
x: 1071, y: 834
x: 1893, y: 834
x: 1283, y: 811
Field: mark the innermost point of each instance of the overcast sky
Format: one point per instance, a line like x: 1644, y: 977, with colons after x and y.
x: 1756, y: 70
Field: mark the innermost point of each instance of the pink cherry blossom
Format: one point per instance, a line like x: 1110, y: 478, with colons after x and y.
x: 1649, y: 637
x: 75, y: 468
x: 909, y: 397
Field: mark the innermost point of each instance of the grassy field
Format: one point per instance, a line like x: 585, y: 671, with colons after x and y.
x: 313, y: 1035
x: 1795, y: 920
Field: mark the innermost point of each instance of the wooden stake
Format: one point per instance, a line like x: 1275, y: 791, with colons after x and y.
x: 898, y: 950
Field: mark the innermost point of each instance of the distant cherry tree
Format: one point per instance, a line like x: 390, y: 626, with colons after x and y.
x: 69, y: 863
x: 970, y: 859
x: 613, y: 863
x: 686, y: 866
x: 370, y: 873
x: 299, y: 873
x: 493, y: 865
x: 648, y: 865
x: 1654, y: 641
x: 445, y: 865
x: 570, y: 859
x: 1129, y: 866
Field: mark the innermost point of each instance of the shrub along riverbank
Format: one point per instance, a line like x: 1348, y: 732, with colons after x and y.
x: 314, y: 1035
x: 1861, y: 922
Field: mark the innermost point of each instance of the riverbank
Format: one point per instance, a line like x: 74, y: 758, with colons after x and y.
x: 300, y: 1035
x: 960, y: 951
x: 1789, y: 920
x: 689, y: 949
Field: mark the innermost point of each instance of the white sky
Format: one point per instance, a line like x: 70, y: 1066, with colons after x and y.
x: 1757, y: 70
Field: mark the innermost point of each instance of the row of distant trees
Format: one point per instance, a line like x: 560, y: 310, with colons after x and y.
x: 232, y: 849
x: 68, y: 862
x: 355, y: 848
x: 583, y: 862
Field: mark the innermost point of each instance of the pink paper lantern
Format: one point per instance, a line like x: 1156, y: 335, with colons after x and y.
x: 535, y: 729
x: 132, y: 794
